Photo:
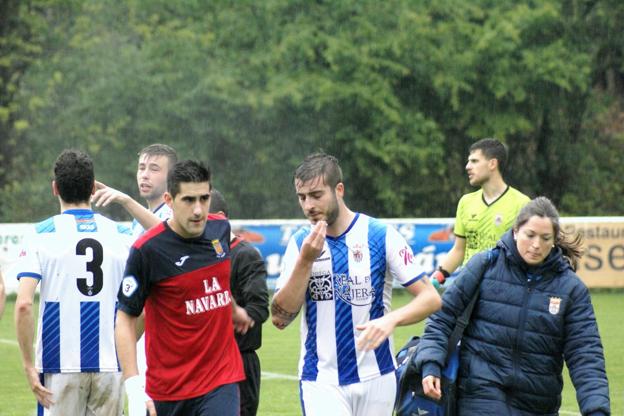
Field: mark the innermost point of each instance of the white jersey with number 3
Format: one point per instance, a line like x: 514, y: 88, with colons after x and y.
x: 79, y: 257
x: 350, y: 284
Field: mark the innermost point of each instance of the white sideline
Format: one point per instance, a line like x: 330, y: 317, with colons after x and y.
x: 271, y: 376
x: 8, y: 342
x: 265, y: 374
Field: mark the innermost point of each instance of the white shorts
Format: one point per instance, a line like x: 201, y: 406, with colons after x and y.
x: 368, y: 398
x: 84, y: 394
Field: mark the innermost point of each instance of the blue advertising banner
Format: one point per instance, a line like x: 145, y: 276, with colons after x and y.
x: 430, y: 239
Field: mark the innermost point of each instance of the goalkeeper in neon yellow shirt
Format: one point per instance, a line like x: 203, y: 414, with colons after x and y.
x: 482, y: 216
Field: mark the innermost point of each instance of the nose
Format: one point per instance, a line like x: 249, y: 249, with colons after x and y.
x: 197, y: 209
x: 308, y: 204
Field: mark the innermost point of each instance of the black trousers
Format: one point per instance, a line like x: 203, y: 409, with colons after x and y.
x: 250, y: 387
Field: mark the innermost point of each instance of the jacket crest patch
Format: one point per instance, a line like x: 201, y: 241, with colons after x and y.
x: 554, y: 305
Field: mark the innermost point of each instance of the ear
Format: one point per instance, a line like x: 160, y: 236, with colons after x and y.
x: 55, y: 191
x: 340, y: 189
x: 168, y: 199
x: 493, y: 164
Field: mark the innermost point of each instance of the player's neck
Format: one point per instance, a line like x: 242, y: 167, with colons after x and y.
x: 493, y: 188
x: 65, y: 206
x: 345, y: 218
x: 153, y: 204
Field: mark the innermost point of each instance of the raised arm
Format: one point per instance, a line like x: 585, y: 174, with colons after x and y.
x: 288, y: 300
x: 105, y: 195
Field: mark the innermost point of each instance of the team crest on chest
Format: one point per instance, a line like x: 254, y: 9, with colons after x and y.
x: 357, y: 253
x: 554, y: 305
x: 498, y: 220
x: 216, y: 244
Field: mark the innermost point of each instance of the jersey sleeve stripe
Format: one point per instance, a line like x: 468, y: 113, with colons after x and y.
x: 414, y: 280
x: 29, y: 274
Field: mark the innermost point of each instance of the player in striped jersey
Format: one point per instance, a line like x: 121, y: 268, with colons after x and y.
x: 153, y: 166
x: 78, y: 258
x: 342, y: 269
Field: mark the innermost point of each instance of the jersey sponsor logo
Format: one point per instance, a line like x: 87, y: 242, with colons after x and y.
x: 180, y: 262
x: 207, y: 303
x: 355, y: 290
x: 406, y: 254
x: 216, y: 244
x: 320, y: 287
x: 86, y: 226
x: 555, y: 305
x: 129, y: 285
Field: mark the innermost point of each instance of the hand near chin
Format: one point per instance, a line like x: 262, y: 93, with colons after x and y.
x: 313, y: 243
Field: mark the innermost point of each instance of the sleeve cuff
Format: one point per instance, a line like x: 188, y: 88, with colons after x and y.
x: 430, y: 369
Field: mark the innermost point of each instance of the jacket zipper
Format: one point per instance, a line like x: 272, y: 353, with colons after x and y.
x: 520, y: 335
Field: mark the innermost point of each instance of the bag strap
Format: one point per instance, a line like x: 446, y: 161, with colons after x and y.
x: 464, y: 318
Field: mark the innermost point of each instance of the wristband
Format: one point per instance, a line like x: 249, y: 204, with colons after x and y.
x: 444, y: 272
x: 438, y: 277
x: 135, y: 390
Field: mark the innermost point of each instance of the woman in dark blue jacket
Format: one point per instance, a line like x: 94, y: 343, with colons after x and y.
x: 533, y: 312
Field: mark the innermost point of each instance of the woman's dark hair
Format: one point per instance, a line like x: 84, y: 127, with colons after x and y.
x: 542, y: 207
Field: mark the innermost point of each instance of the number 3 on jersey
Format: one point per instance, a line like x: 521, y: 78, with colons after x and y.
x: 93, y: 266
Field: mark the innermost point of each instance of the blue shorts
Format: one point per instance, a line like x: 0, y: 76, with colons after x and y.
x: 222, y: 401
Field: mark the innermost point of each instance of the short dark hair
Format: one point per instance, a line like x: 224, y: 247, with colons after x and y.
x: 571, y: 245
x: 217, y: 203
x: 492, y: 149
x: 319, y: 164
x: 74, y: 176
x: 192, y: 171
x: 158, y: 149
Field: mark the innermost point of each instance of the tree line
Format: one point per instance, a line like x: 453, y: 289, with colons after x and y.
x: 397, y: 90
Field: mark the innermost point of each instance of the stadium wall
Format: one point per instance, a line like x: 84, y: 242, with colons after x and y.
x: 602, y: 266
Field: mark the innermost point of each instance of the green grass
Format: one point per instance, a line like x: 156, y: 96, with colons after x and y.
x: 280, y: 354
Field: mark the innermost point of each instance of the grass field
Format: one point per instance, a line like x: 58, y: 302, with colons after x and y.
x: 280, y: 352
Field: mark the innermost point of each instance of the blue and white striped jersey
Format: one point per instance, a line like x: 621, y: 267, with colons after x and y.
x: 350, y: 284
x: 163, y: 212
x: 79, y: 257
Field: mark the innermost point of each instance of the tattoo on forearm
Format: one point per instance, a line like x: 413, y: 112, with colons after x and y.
x: 278, y: 311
